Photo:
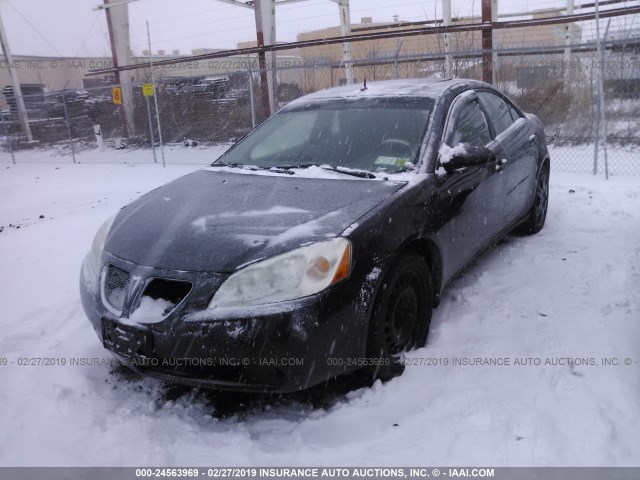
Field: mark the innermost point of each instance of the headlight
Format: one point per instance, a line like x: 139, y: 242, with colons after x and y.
x: 299, y: 273
x: 98, y: 245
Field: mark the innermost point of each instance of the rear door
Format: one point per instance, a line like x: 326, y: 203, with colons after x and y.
x: 517, y: 136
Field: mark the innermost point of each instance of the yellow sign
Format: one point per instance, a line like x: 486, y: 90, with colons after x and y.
x: 147, y: 89
x: 116, y: 93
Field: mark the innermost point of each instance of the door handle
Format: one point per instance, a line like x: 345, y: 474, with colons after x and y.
x: 533, y: 140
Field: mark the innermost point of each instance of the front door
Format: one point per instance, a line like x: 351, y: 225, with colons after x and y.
x: 471, y: 196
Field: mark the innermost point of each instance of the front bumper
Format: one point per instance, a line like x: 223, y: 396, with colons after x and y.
x: 278, y: 348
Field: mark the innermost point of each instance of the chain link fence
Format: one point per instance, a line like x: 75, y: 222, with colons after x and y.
x: 199, y: 116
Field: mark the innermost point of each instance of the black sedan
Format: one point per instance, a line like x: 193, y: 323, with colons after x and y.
x: 319, y: 244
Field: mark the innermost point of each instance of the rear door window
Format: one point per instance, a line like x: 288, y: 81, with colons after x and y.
x: 498, y: 111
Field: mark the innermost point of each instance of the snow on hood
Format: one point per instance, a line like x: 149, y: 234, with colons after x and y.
x: 217, y: 221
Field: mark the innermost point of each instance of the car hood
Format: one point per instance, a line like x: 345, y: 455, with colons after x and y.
x: 219, y: 221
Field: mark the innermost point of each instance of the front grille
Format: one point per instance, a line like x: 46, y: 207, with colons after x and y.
x: 159, y: 298
x: 114, y: 288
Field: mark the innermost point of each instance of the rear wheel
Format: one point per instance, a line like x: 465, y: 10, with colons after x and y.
x: 538, y: 212
x: 401, y: 315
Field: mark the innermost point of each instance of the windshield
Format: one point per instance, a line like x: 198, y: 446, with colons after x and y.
x: 374, y: 135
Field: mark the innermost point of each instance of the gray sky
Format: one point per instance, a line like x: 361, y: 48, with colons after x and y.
x: 71, y: 27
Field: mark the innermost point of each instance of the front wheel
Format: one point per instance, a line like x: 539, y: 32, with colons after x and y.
x: 401, y: 315
x: 538, y: 212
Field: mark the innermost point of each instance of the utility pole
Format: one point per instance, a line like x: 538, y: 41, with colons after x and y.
x: 567, y: 35
x: 345, y: 28
x: 117, y: 13
x: 265, y: 13
x: 446, y: 21
x: 15, y: 83
x: 494, y: 52
x: 487, y: 43
x: 265, y: 16
x: 567, y: 68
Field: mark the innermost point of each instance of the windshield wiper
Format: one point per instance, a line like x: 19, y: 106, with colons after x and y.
x: 232, y: 165
x: 253, y: 167
x: 354, y: 173
x: 300, y: 165
x: 270, y: 169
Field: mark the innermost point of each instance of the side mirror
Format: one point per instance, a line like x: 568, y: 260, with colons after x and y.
x: 463, y: 155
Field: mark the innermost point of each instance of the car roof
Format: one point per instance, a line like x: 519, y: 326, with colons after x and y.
x: 416, y: 87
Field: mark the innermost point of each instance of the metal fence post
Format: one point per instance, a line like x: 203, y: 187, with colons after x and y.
x: 396, y: 67
x: 6, y: 135
x: 600, y: 73
x: 252, y: 100
x: 603, y: 108
x: 155, y: 96
x: 153, y: 142
x: 597, y: 135
x: 66, y: 119
x: 155, y: 99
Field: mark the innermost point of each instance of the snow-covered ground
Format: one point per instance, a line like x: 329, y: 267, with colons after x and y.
x: 572, y: 291
x: 174, y: 154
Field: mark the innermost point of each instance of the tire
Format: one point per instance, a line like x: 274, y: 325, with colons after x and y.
x: 401, y: 315
x: 538, y: 212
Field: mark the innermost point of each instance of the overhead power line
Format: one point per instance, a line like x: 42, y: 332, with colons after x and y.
x: 579, y: 17
x: 34, y: 28
x: 84, y: 40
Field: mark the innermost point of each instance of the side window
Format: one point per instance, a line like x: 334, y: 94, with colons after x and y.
x: 498, y: 111
x: 471, y: 127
